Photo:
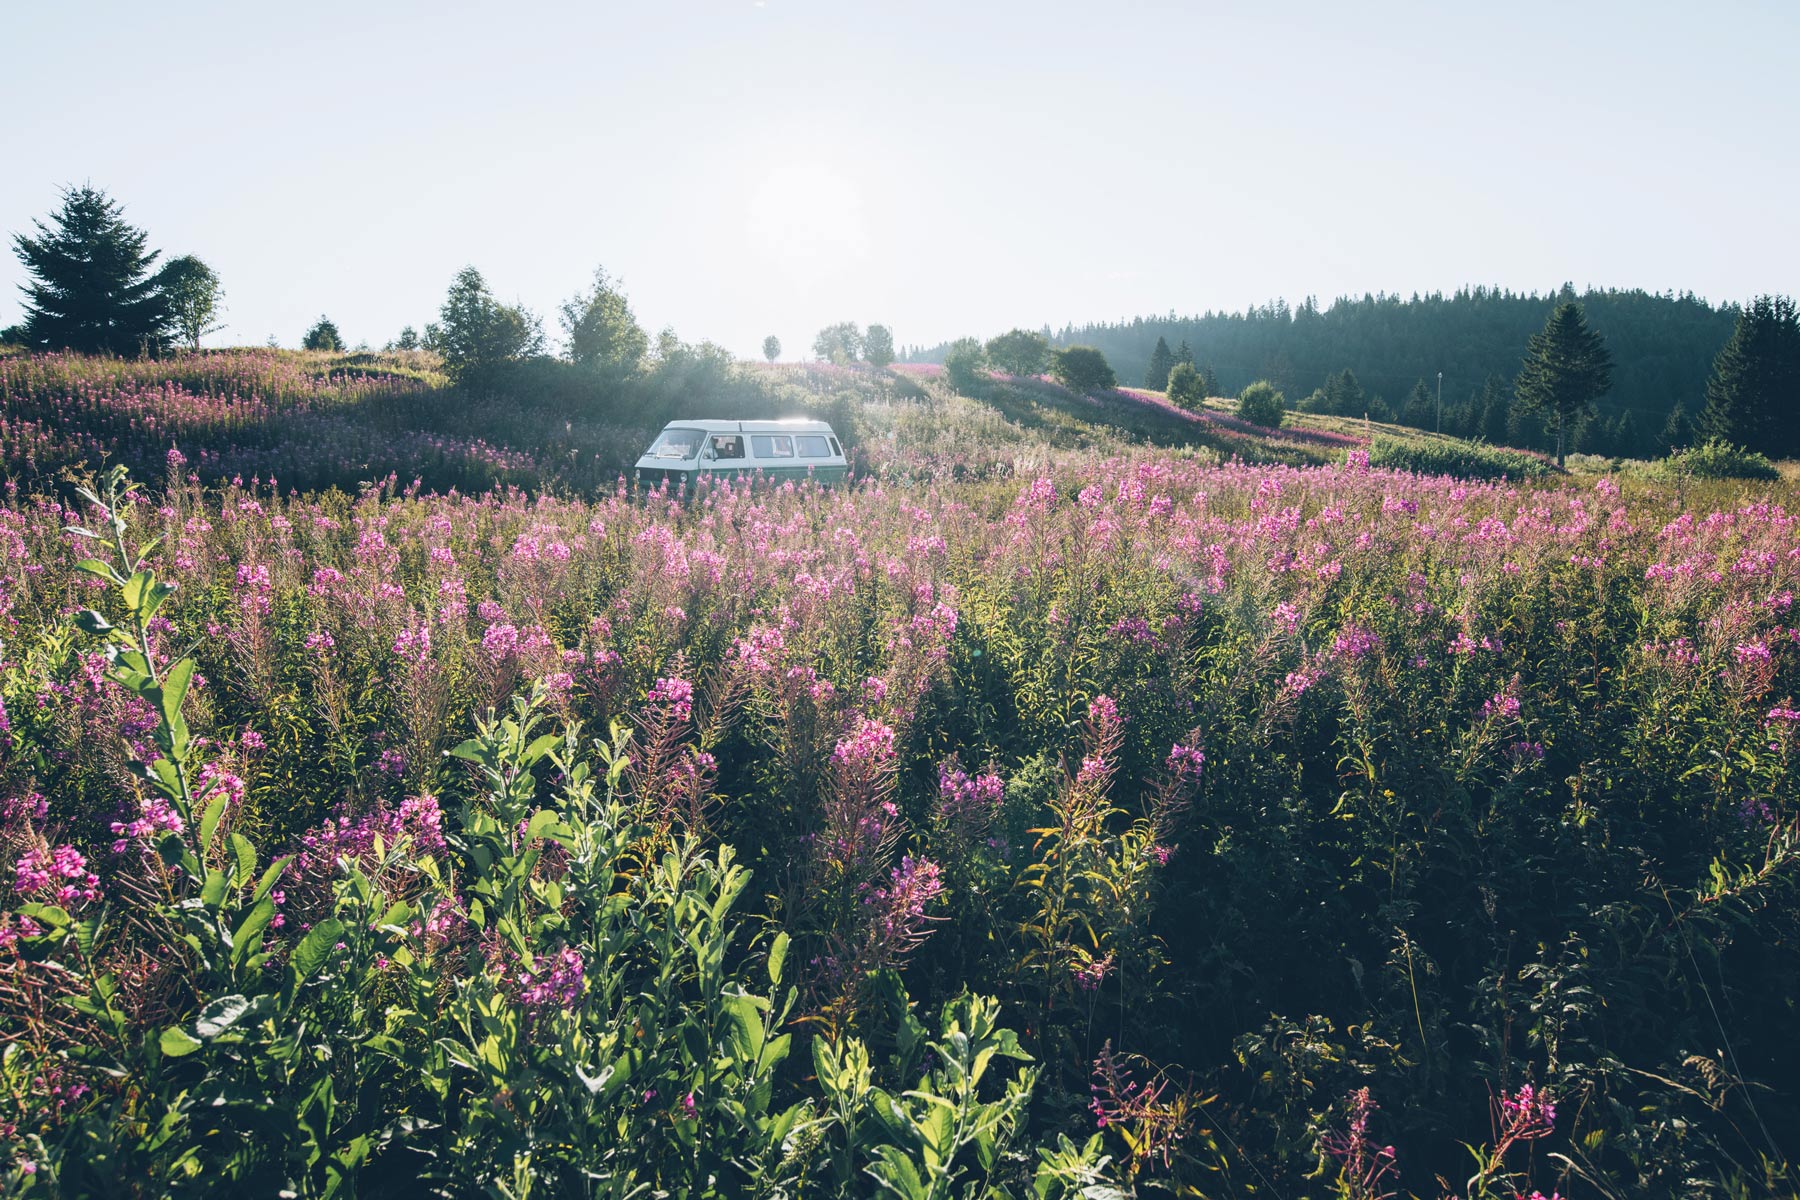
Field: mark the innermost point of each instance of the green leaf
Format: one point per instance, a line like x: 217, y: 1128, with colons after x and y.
x: 212, y: 892
x: 175, y: 689
x: 92, y: 623
x: 177, y: 1042
x: 246, y: 856
x: 472, y: 751
x: 220, y: 1015
x: 314, y: 948
x: 247, y: 938
x: 778, y: 956
x: 209, y: 821
x: 99, y: 570
x: 542, y: 819
x: 538, y: 748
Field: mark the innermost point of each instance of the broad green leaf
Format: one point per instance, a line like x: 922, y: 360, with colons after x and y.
x: 176, y: 1042
x: 220, y: 1015
x: 175, y: 689
x: 314, y: 948
x: 98, y: 569
x: 247, y: 938
x: 246, y: 857
x: 778, y: 956
x: 209, y: 821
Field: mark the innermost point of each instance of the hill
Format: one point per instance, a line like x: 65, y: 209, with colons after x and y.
x: 1662, y: 344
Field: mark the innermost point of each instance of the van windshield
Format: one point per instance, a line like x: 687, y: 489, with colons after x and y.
x: 677, y: 443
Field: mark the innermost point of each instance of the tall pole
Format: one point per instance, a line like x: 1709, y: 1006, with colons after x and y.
x: 1440, y: 427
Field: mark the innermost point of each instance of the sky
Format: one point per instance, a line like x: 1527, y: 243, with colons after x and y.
x: 947, y: 169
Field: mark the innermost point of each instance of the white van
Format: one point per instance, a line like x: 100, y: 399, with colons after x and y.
x: 792, y: 448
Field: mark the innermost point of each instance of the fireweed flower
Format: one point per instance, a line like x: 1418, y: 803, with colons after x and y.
x: 967, y: 800
x: 1185, y: 762
x: 554, y: 982
x: 1501, y: 705
x: 675, y: 696
x: 1526, y: 1115
x: 1091, y: 973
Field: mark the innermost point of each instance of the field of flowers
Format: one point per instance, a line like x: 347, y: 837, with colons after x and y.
x: 1129, y: 825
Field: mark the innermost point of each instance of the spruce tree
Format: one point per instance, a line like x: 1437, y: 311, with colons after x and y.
x: 323, y: 335
x: 1184, y: 353
x: 1495, y: 405
x: 1753, y: 398
x: 91, y: 290
x: 1566, y: 367
x: 1676, y: 432
x: 1209, y: 383
x: 1156, y: 377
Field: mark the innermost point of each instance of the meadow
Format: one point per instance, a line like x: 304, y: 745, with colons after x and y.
x: 1068, y: 808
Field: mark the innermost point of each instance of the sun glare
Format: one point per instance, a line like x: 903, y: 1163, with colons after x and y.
x: 807, y: 219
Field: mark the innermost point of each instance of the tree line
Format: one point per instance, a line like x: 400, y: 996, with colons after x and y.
x: 1381, y: 356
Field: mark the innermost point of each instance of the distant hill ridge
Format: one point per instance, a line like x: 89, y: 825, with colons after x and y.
x: 1662, y: 345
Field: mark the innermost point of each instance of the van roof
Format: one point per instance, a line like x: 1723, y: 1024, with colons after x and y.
x: 783, y: 425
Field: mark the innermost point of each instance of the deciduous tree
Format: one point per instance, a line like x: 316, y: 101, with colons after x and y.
x: 603, y: 335
x: 1083, y: 369
x: 194, y: 298
x: 475, y: 332
x: 1019, y: 352
x: 771, y: 347
x: 878, y: 346
x: 841, y: 343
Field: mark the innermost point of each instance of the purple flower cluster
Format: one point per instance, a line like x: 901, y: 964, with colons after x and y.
x: 967, y: 801
x: 61, y: 872
x: 675, y: 696
x: 553, y: 983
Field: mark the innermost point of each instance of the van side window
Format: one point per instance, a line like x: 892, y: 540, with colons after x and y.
x: 836, y: 449
x: 727, y: 445
x: 772, y: 445
x: 812, y: 445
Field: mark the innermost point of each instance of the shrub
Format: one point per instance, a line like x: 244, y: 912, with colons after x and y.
x: 1718, y: 459
x: 964, y: 364
x: 1449, y: 456
x: 1186, y: 386
x: 1083, y: 369
x: 1262, y: 404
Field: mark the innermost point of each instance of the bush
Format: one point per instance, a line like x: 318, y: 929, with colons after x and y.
x: 964, y: 363
x: 1083, y: 369
x: 1262, y: 404
x: 1451, y: 456
x: 1718, y: 459
x: 1186, y: 387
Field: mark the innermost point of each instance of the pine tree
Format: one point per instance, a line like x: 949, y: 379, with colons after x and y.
x: 323, y: 335
x: 1156, y: 376
x: 1566, y: 367
x: 91, y: 288
x: 1495, y: 405
x: 1753, y: 398
x: 1676, y: 432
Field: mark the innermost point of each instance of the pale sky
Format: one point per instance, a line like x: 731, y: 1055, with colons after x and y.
x: 771, y: 166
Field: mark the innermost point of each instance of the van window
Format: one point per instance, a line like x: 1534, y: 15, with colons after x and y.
x: 772, y: 445
x: 727, y: 446
x: 812, y: 445
x: 677, y: 443
x: 836, y: 449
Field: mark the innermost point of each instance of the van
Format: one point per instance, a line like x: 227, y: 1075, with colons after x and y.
x: 687, y: 451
